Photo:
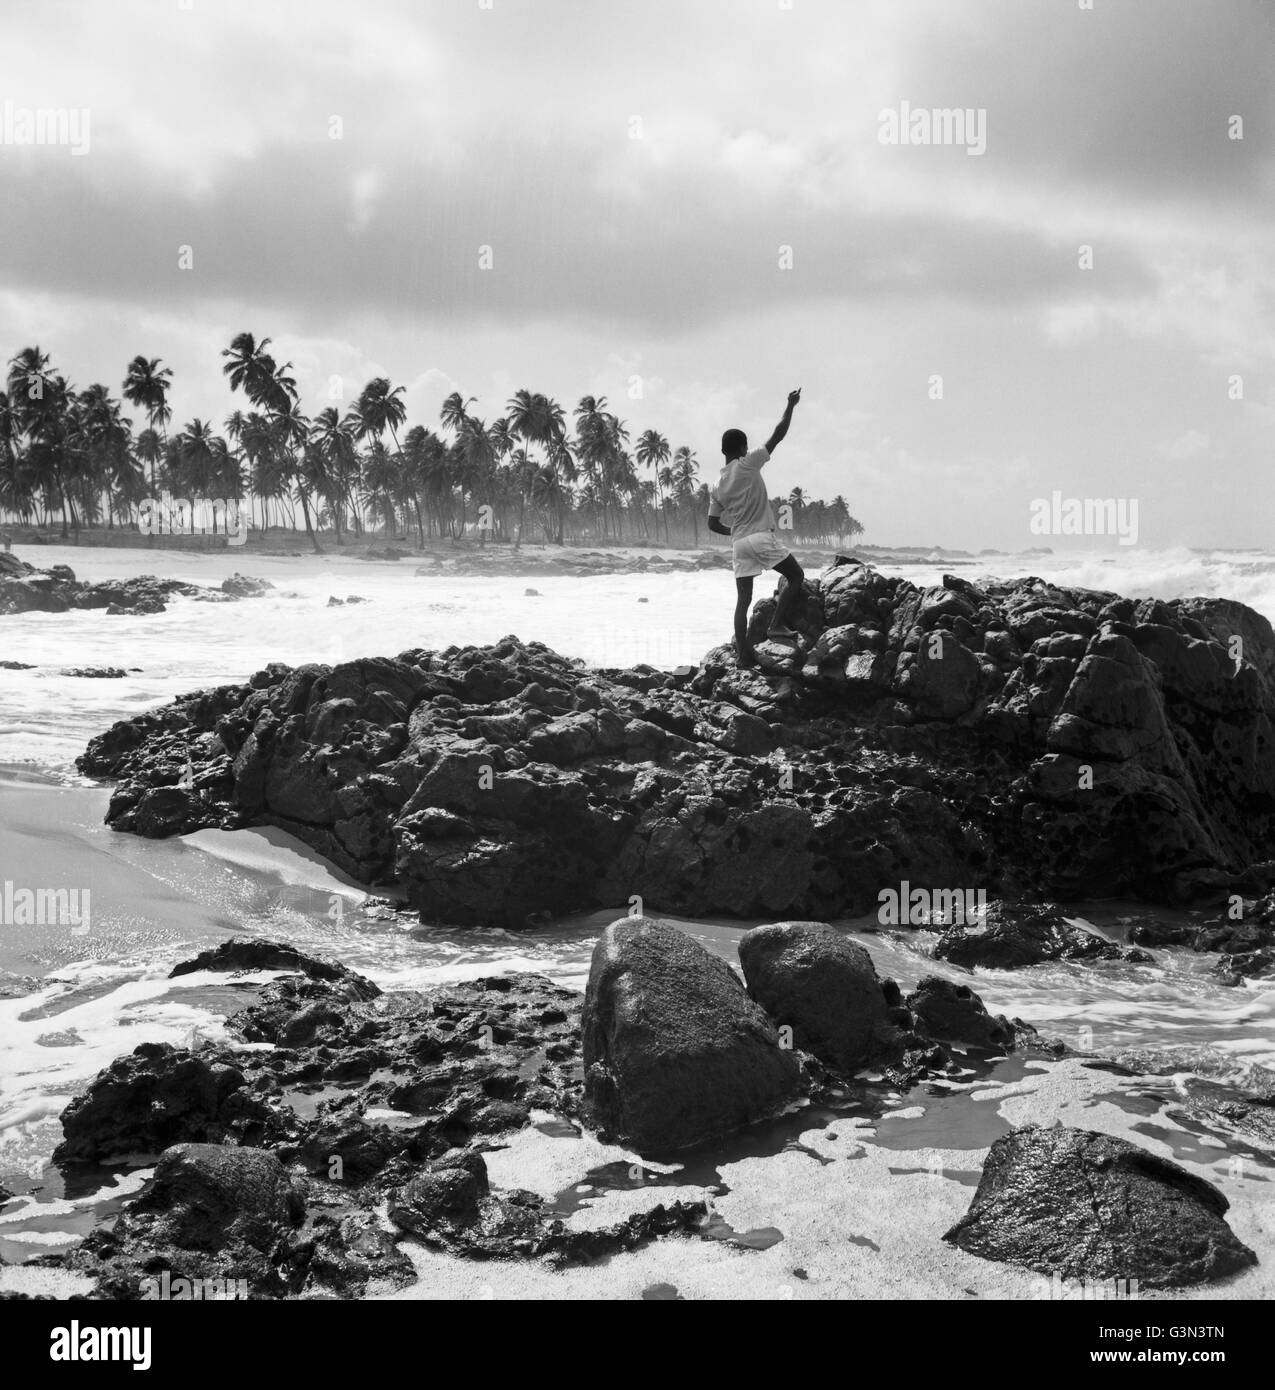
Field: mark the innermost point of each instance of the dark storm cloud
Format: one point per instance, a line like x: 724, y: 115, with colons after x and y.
x: 283, y: 230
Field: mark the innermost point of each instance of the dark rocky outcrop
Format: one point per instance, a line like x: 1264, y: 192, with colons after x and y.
x: 675, y: 1052
x: 1011, y: 935
x: 1088, y: 1206
x: 1021, y: 738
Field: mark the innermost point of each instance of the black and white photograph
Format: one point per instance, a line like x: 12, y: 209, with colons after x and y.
x: 636, y: 664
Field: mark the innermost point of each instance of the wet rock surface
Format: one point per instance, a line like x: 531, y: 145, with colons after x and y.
x: 1243, y: 936
x: 1089, y: 1206
x: 1010, y: 935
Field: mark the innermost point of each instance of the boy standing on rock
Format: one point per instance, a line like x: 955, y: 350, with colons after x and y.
x: 740, y: 509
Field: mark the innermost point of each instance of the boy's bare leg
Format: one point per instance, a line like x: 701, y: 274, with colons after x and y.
x: 743, y: 601
x: 790, y: 597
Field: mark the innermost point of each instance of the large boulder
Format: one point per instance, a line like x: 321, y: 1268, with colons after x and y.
x: 675, y: 1052
x: 1089, y: 1206
x: 822, y: 985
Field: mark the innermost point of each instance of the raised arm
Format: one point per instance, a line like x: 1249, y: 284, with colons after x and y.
x: 781, y: 429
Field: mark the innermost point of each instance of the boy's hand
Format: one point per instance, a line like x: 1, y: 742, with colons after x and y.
x: 794, y: 397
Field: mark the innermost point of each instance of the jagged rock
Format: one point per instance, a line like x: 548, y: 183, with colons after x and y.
x: 151, y: 1098
x: 674, y: 1050
x: 1089, y: 1206
x: 450, y: 1191
x: 955, y: 1014
x: 1012, y: 935
x: 824, y: 987
x: 204, y: 1196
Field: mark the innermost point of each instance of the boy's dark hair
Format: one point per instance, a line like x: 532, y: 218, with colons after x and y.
x: 734, y: 442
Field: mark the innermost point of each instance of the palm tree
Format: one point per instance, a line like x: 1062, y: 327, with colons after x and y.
x: 110, y: 468
x: 379, y: 408
x: 250, y: 368
x: 41, y: 409
x: 684, y: 472
x: 146, y: 386
x: 266, y: 384
x: 653, y: 452
x: 335, y: 439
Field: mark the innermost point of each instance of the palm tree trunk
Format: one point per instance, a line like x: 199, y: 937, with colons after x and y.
x: 309, y: 529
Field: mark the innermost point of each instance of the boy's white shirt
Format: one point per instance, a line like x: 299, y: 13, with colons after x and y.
x: 759, y: 518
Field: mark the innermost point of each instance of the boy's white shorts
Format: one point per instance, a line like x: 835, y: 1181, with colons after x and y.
x: 756, y: 554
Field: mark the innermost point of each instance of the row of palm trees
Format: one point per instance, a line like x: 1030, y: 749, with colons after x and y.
x: 74, y: 454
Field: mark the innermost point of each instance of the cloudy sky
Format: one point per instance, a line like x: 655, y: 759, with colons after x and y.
x: 636, y: 168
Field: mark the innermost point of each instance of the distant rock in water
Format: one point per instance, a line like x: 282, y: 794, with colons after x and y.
x: 1021, y: 738
x: 111, y: 673
x: 245, y: 586
x: 25, y: 589
x: 674, y: 1050
x: 1089, y: 1206
x: 1017, y: 934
